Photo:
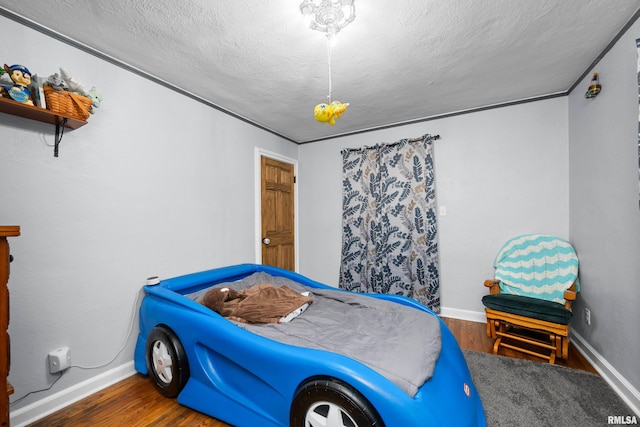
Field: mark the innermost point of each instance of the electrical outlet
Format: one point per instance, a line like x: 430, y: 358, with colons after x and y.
x: 587, y: 316
x: 59, y: 360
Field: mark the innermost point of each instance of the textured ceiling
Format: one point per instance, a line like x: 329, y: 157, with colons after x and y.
x: 397, y: 62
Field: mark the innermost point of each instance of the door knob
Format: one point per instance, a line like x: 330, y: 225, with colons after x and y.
x: 266, y: 240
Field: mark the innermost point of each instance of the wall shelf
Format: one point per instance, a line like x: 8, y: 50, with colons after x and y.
x: 61, y: 121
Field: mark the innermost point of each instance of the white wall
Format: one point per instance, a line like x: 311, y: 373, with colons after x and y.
x: 155, y: 184
x: 499, y: 173
x: 604, y: 215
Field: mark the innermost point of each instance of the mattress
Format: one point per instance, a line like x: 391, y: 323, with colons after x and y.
x: 397, y: 341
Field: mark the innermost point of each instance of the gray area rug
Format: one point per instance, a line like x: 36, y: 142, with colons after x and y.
x: 517, y: 392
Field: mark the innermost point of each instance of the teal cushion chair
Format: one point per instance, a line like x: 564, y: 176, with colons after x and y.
x: 528, y: 308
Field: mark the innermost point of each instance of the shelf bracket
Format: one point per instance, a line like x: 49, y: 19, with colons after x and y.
x: 59, y: 134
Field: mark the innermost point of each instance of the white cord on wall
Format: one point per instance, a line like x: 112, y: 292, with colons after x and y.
x: 124, y: 345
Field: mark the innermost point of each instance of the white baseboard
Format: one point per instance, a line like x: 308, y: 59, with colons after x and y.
x: 627, y: 392
x: 50, y: 404
x: 471, y: 316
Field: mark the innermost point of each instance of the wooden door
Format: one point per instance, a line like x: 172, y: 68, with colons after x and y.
x: 277, y: 198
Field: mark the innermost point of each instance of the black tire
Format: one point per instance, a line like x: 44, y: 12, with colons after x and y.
x: 166, y: 361
x: 319, y: 399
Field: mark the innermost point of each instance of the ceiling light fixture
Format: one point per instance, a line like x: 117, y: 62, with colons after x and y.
x: 329, y: 16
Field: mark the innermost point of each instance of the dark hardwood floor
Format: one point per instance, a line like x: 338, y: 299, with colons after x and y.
x: 135, y: 402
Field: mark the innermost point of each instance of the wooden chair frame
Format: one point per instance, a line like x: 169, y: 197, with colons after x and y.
x: 501, y: 325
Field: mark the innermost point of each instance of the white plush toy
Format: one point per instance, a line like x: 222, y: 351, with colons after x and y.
x: 73, y: 84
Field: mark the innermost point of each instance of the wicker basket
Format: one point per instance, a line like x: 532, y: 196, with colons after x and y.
x: 67, y: 103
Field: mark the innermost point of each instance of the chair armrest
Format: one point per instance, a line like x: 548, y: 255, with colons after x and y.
x: 494, y: 286
x: 569, y: 296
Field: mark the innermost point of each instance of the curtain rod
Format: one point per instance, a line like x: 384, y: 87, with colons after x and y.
x: 422, y: 138
x: 419, y: 139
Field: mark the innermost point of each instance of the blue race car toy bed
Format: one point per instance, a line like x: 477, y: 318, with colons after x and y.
x: 217, y: 341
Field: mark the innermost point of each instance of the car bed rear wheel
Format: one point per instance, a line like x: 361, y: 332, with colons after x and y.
x: 167, y: 362
x: 332, y: 403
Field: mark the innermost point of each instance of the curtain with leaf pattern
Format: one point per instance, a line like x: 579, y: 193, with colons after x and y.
x: 389, y: 224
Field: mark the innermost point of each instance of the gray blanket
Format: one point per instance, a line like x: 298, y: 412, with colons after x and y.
x: 399, y: 342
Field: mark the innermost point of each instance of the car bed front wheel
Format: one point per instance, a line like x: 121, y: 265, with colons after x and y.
x: 332, y: 403
x: 167, y: 361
